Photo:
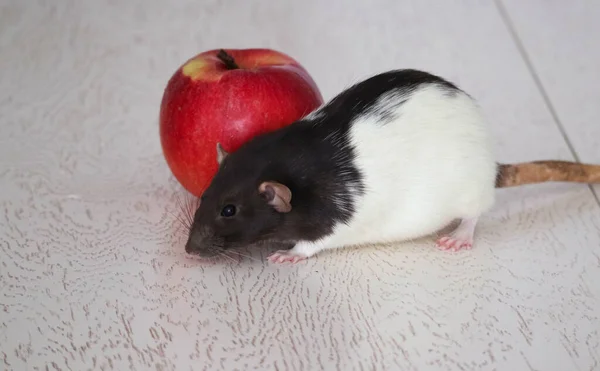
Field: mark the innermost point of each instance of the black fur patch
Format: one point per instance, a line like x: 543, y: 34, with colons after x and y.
x: 361, y: 98
x: 315, y: 162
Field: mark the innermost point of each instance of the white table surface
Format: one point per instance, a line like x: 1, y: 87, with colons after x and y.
x: 92, y: 269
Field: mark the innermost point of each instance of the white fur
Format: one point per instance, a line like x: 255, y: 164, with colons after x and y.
x: 428, y: 166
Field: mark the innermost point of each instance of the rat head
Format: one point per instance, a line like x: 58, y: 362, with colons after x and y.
x: 237, y: 209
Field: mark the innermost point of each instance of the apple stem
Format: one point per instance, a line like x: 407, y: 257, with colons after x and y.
x: 228, y: 60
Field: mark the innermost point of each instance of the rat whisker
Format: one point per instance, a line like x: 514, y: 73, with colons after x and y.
x: 223, y: 254
x: 179, y: 205
x: 180, y: 220
x: 185, y: 210
x: 237, y: 258
x: 190, y: 209
x: 242, y: 255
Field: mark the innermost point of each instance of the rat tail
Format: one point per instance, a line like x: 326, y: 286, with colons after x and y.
x: 511, y: 175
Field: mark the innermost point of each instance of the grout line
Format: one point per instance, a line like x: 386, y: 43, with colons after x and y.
x: 534, y: 74
x: 538, y: 82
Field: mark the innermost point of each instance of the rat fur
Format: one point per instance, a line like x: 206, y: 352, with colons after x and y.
x: 395, y: 157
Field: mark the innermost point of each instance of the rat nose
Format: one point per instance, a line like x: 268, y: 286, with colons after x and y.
x: 194, y: 242
x: 190, y: 247
x: 198, y: 243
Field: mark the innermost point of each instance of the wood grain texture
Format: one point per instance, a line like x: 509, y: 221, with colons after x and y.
x: 92, y: 270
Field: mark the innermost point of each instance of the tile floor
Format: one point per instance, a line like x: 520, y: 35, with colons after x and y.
x: 92, y: 271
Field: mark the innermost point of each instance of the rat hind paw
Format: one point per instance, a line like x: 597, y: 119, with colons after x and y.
x: 451, y: 243
x: 282, y: 256
x: 461, y: 238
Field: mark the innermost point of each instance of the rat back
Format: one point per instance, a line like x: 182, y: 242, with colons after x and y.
x: 424, y: 155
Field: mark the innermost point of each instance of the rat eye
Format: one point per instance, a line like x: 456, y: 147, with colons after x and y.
x: 228, y: 211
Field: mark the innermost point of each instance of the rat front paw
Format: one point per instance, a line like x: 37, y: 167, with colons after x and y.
x: 282, y: 256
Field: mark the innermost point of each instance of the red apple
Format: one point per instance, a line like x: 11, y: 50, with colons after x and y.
x: 228, y: 97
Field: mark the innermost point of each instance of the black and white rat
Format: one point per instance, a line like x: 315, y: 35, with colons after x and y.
x: 395, y: 157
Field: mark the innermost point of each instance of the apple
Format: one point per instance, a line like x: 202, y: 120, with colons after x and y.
x: 225, y: 98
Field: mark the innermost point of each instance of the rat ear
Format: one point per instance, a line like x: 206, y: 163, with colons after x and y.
x: 221, y: 153
x: 276, y: 195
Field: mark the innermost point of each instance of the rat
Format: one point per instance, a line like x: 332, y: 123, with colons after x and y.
x: 395, y: 157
